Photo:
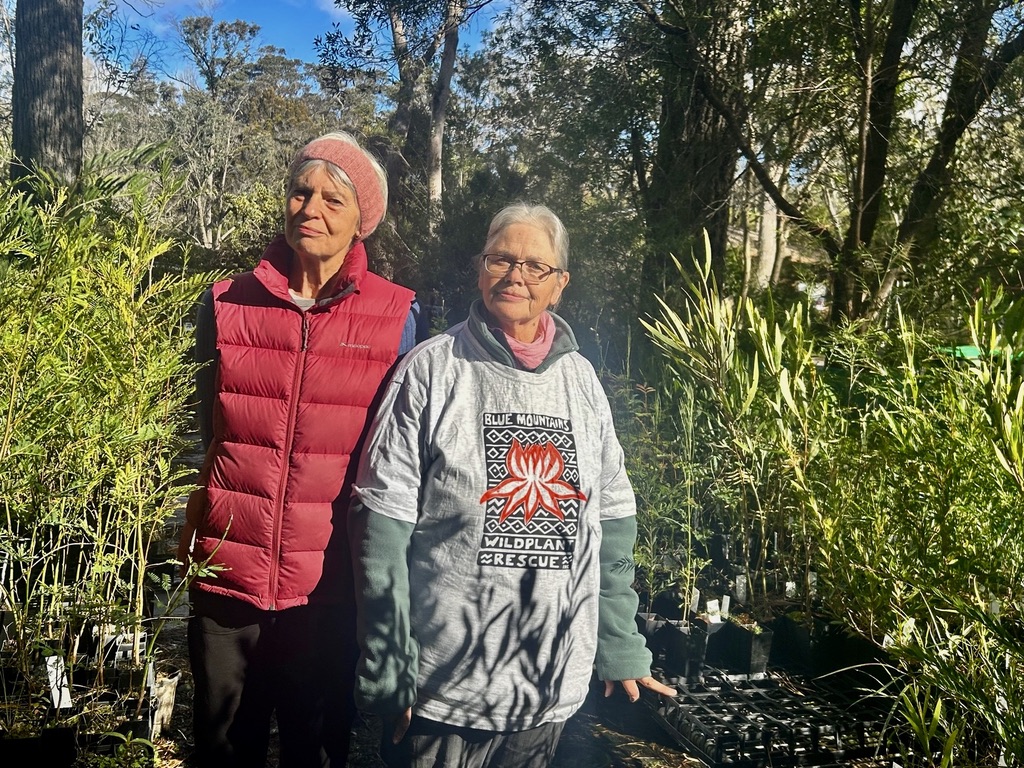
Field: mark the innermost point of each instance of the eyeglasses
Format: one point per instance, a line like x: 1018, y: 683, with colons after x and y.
x: 533, y: 271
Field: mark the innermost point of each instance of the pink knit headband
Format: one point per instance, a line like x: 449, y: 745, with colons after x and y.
x: 352, y: 160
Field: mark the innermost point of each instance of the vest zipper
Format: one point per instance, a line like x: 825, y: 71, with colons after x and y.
x: 293, y: 407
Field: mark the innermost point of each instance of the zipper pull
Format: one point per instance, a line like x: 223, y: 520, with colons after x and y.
x: 305, y: 330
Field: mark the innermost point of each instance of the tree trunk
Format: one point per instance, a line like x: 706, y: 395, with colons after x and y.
x: 48, y: 125
x: 767, y: 243
x: 439, y: 110
x: 695, y: 161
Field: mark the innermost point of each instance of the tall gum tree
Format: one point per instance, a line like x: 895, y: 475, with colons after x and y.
x: 878, y: 55
x: 692, y: 169
x: 682, y: 156
x: 420, y: 40
x: 48, y: 123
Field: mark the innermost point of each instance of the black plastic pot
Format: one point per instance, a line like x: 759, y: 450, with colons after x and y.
x: 683, y: 649
x: 792, y: 642
x: 53, y: 747
x: 648, y: 624
x: 741, y: 649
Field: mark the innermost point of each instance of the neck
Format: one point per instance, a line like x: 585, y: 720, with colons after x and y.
x: 310, y: 277
x: 524, y: 332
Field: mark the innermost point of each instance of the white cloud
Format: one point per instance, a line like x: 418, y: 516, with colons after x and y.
x: 328, y: 7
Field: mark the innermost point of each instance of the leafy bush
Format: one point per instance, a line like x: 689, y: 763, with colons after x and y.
x: 884, y: 472
x: 92, y: 409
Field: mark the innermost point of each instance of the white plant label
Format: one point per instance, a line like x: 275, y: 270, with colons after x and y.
x: 714, y: 612
x: 741, y: 588
x: 60, y: 691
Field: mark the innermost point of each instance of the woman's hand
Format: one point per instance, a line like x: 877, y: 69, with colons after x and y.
x: 401, y: 726
x: 632, y: 689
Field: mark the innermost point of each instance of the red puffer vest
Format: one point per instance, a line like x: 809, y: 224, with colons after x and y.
x: 292, y: 394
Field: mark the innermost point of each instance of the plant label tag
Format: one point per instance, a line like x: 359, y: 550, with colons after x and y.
x: 60, y: 692
x: 694, y: 600
x: 714, y: 612
x: 741, y: 588
x: 725, y: 606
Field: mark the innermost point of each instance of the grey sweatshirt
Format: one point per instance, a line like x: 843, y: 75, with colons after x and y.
x: 493, y: 536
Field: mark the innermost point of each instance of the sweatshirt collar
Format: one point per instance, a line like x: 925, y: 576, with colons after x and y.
x: 486, y: 331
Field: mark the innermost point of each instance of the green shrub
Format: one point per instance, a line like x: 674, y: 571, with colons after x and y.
x: 882, y: 472
x: 95, y: 353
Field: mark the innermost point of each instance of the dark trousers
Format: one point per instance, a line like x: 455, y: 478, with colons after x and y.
x: 248, y: 664
x: 430, y: 744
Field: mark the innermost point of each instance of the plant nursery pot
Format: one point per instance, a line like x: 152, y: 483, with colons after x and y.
x: 105, y: 745
x: 792, y: 641
x: 666, y: 603
x: 834, y: 649
x: 10, y: 679
x: 53, y: 748
x: 684, y: 648
x: 648, y: 624
x: 742, y: 649
x: 711, y: 633
x: 20, y: 750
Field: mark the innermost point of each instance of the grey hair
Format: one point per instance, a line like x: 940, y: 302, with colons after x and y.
x: 539, y: 216
x: 298, y: 168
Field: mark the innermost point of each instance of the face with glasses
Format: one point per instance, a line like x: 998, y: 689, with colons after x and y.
x: 519, y: 279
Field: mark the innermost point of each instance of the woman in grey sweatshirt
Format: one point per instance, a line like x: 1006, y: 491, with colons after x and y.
x: 493, y: 527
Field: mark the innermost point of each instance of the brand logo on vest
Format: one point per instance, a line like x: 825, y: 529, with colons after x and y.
x: 353, y: 346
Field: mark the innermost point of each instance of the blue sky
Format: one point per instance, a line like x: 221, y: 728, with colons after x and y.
x: 288, y: 24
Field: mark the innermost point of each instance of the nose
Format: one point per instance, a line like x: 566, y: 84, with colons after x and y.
x: 515, y: 274
x: 311, y: 206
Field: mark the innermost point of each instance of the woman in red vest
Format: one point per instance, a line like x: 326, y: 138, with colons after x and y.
x: 297, y: 350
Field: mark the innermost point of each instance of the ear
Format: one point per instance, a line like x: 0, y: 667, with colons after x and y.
x: 556, y: 295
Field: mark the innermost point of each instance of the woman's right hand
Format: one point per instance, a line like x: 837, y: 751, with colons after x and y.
x: 401, y: 726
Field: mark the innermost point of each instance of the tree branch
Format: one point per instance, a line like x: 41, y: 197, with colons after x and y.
x: 819, y: 232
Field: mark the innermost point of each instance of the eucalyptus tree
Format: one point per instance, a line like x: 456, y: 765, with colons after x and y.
x: 905, y: 82
x: 419, y: 41
x: 681, y: 158
x: 124, y: 95
x: 853, y: 117
x: 537, y: 117
x: 7, y: 13
x: 239, y: 113
x: 48, y: 125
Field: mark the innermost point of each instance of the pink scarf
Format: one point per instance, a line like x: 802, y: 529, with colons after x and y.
x: 532, y: 353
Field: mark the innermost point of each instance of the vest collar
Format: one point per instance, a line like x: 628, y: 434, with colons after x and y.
x: 274, y: 270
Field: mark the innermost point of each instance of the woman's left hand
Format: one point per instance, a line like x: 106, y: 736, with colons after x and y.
x: 632, y: 687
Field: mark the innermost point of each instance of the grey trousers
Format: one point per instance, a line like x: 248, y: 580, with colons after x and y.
x: 429, y: 744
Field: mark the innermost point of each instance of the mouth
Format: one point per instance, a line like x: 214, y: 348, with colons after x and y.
x: 508, y: 296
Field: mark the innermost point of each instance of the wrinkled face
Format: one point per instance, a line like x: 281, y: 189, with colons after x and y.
x: 515, y: 304
x: 321, y: 216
